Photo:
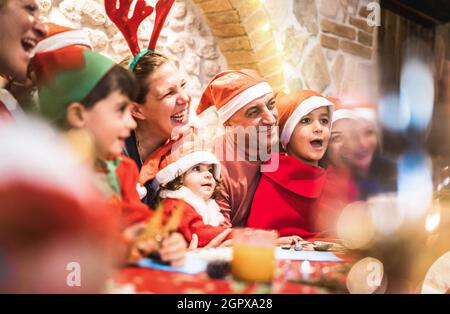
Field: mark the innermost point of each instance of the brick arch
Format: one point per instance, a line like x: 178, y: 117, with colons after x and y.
x: 241, y: 30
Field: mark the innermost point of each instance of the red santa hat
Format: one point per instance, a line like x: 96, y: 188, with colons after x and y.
x: 182, y: 157
x: 292, y: 107
x: 61, y: 37
x: 229, y: 91
x: 66, y: 41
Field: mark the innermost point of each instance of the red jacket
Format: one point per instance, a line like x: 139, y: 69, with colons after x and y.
x: 286, y: 199
x: 192, y: 222
x: 128, y: 205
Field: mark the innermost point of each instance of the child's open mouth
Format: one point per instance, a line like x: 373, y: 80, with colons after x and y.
x: 180, y: 117
x: 317, y: 144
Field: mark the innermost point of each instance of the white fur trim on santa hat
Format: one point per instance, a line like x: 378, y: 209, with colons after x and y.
x: 343, y: 114
x: 305, y: 107
x: 242, y: 99
x: 366, y: 114
x: 64, y: 39
x: 177, y: 168
x: 355, y: 114
x: 208, y: 210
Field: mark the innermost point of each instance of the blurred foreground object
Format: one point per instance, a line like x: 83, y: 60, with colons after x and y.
x: 55, y: 234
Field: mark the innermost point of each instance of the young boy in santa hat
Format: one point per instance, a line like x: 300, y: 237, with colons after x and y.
x: 91, y: 95
x: 295, y: 187
x: 190, y: 178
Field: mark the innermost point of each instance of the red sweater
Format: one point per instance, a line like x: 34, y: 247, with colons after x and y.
x: 285, y: 199
x: 192, y: 222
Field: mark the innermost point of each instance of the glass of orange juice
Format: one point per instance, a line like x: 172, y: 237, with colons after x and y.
x: 253, y: 255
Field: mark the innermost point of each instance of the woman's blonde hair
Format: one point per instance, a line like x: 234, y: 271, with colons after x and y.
x: 146, y: 66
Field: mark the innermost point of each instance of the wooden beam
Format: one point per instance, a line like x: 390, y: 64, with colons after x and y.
x: 410, y: 13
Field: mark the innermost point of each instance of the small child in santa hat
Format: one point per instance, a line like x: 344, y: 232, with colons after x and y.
x: 295, y: 187
x: 89, y: 96
x: 190, y: 177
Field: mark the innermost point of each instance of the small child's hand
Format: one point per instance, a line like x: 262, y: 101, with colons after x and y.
x: 219, y: 240
x: 173, y: 249
x: 290, y: 240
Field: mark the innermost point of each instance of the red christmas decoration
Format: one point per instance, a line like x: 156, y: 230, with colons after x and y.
x: 129, y: 26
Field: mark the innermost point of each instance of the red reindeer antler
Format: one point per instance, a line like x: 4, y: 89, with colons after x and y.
x: 128, y: 26
x: 162, y: 10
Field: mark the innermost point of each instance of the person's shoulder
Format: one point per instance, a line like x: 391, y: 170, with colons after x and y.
x: 127, y: 165
x: 125, y: 160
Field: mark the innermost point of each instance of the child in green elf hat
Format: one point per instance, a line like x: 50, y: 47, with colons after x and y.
x: 90, y: 93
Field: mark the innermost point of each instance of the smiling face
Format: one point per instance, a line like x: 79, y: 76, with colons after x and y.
x: 362, y: 145
x: 353, y: 144
x: 110, y: 123
x: 310, y: 138
x: 259, y: 112
x: 167, y: 103
x: 262, y: 114
x: 200, y: 180
x: 338, y: 148
x: 20, y: 31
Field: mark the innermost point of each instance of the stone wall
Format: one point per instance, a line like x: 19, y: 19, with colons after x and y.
x: 244, y: 35
x: 185, y: 38
x: 326, y: 45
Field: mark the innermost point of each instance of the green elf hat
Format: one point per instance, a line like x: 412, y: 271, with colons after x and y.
x: 72, y: 83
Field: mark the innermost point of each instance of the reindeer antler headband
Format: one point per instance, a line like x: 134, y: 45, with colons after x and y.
x: 129, y: 26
